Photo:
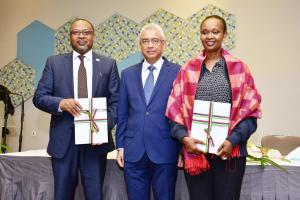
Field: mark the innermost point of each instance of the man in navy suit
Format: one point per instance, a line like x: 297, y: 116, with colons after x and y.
x: 146, y: 149
x: 56, y: 94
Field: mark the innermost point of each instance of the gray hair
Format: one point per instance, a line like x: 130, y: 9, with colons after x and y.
x: 152, y: 26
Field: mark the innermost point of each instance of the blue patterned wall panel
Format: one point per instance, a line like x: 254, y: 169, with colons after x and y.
x: 130, y: 60
x: 173, y: 27
x: 62, y: 41
x: 116, y: 37
x: 18, y: 78
x: 35, y: 44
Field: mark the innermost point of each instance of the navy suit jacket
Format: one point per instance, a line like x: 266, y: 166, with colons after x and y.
x: 144, y: 128
x: 56, y: 84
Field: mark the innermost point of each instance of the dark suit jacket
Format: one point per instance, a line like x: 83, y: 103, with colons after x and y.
x: 57, y: 84
x: 144, y: 128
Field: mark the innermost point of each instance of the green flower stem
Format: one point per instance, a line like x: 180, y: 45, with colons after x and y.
x: 265, y: 160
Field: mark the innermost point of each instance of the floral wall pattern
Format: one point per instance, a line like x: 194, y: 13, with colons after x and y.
x: 117, y: 37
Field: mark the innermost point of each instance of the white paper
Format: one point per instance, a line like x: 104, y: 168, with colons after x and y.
x: 82, y: 128
x: 294, y: 155
x: 220, y: 115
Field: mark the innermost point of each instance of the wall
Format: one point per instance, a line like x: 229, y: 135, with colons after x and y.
x: 267, y: 40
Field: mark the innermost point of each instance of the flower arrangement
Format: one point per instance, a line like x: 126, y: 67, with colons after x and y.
x: 264, y: 156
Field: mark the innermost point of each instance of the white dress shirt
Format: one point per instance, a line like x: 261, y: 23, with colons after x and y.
x: 88, y: 64
x: 146, y: 71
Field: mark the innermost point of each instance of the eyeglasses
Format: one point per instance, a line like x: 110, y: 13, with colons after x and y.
x: 154, y: 41
x: 83, y: 32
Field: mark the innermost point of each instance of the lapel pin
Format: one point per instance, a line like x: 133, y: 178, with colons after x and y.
x: 97, y: 59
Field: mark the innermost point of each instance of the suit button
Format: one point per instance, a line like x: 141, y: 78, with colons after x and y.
x: 147, y: 113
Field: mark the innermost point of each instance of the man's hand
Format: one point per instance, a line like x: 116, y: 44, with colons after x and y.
x: 225, y: 150
x: 120, y: 157
x: 71, y: 106
x: 180, y: 161
x: 191, y: 145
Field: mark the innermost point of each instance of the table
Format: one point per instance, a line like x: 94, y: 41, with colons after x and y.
x: 30, y: 177
x: 271, y: 183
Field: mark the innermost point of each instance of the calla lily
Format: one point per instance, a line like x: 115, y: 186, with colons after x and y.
x: 253, y: 150
x: 255, y: 155
x: 274, y: 154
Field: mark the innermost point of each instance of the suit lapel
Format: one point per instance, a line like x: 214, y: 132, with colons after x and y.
x: 68, y: 70
x: 161, y: 76
x: 138, y: 79
x: 97, y: 75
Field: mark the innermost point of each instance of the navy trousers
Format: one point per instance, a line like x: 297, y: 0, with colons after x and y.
x: 89, y: 162
x: 142, y: 175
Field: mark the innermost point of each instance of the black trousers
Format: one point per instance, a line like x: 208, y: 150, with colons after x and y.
x: 222, y: 181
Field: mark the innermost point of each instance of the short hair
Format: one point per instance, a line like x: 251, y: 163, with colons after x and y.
x: 81, y: 19
x: 216, y: 17
x: 152, y: 26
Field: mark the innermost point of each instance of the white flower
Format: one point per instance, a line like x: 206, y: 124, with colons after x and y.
x: 253, y: 150
x: 255, y: 155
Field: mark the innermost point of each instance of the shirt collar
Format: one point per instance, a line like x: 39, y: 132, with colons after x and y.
x: 220, y: 63
x: 157, y: 65
x: 87, y: 55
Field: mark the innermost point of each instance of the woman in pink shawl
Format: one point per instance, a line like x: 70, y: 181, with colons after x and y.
x: 216, y: 76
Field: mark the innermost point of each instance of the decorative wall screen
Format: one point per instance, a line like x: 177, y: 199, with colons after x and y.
x: 116, y: 37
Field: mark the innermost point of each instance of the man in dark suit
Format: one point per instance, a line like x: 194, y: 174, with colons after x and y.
x: 64, y: 79
x: 145, y: 147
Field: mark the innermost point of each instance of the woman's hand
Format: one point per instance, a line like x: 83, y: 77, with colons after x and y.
x: 225, y: 150
x: 191, y: 145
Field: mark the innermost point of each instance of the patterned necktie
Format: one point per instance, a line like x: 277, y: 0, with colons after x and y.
x: 149, y: 84
x: 82, y: 80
